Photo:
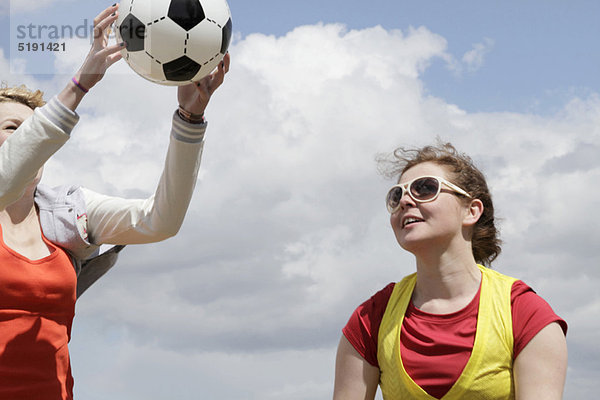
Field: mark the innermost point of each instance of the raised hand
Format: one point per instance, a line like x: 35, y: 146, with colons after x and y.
x: 101, y: 55
x: 195, y: 97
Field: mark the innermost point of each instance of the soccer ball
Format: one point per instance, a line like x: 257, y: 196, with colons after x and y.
x: 174, y: 42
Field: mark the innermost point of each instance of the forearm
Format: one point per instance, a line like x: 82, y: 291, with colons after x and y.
x: 114, y: 220
x: 71, y: 96
x: 33, y: 143
x: 100, y: 57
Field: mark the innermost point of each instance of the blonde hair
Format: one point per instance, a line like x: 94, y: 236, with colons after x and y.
x: 21, y: 94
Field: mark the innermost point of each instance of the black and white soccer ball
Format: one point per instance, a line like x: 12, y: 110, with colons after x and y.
x: 174, y: 42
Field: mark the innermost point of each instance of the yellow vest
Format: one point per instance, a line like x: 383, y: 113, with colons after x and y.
x: 488, y: 374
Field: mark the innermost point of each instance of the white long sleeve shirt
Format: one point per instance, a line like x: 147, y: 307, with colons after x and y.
x: 111, y: 220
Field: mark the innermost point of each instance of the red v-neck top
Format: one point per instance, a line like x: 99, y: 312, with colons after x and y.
x: 37, y: 306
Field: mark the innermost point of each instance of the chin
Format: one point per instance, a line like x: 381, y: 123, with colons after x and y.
x: 414, y: 243
x: 410, y: 244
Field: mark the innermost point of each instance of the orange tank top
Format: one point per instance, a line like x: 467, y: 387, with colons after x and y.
x: 37, y: 306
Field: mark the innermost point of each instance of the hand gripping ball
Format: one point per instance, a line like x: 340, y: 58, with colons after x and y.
x: 174, y: 42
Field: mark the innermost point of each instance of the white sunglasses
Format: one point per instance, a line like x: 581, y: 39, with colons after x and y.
x: 422, y: 190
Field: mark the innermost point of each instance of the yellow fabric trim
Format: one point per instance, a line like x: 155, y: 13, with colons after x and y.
x: 488, y: 373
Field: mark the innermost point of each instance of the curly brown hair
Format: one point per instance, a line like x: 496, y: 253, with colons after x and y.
x: 21, y: 94
x: 485, y: 241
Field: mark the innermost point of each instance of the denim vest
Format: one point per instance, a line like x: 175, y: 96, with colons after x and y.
x: 63, y: 220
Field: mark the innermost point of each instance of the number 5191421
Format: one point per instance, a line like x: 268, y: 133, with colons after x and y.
x: 43, y: 46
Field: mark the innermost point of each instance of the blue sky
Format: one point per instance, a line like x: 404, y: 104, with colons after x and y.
x: 526, y: 63
x: 526, y: 69
x: 287, y: 231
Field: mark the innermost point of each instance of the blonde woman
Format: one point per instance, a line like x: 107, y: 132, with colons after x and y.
x: 49, y: 236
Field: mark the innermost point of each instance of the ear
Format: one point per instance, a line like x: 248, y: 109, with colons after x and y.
x: 474, y: 210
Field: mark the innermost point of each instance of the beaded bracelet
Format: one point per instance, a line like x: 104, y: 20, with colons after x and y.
x: 76, y: 82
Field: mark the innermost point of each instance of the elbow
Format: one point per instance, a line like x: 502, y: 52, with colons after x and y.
x: 158, y: 223
x: 166, y: 231
x: 171, y: 232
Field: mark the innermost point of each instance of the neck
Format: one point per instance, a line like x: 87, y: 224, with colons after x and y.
x: 446, y: 282
x: 21, y: 230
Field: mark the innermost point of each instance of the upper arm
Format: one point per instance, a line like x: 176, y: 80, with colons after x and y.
x: 115, y: 220
x: 541, y: 367
x: 355, y: 378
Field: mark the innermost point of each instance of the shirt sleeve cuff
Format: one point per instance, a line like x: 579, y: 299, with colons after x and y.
x: 187, y: 132
x: 57, y: 113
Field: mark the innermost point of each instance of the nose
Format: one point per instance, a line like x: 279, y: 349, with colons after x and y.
x: 406, y: 201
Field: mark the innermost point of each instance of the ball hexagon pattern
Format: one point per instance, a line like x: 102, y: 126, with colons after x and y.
x: 186, y: 13
x: 174, y: 42
x: 226, y: 36
x: 181, y: 69
x: 133, y: 32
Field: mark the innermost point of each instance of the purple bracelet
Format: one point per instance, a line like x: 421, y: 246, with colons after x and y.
x: 84, y: 90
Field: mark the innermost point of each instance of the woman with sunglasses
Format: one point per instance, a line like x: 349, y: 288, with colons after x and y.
x: 47, y: 235
x: 454, y: 329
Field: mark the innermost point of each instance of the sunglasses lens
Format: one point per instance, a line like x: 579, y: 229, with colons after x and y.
x: 393, y: 198
x: 425, y: 188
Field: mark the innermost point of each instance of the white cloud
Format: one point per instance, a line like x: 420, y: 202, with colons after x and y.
x: 474, y: 58
x: 287, y: 231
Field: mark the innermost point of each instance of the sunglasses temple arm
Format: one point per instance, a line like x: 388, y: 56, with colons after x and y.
x: 456, y: 188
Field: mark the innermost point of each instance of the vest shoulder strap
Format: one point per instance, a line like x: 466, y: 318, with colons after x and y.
x: 488, y: 373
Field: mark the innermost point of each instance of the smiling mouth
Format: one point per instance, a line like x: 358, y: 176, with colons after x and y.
x: 410, y: 220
